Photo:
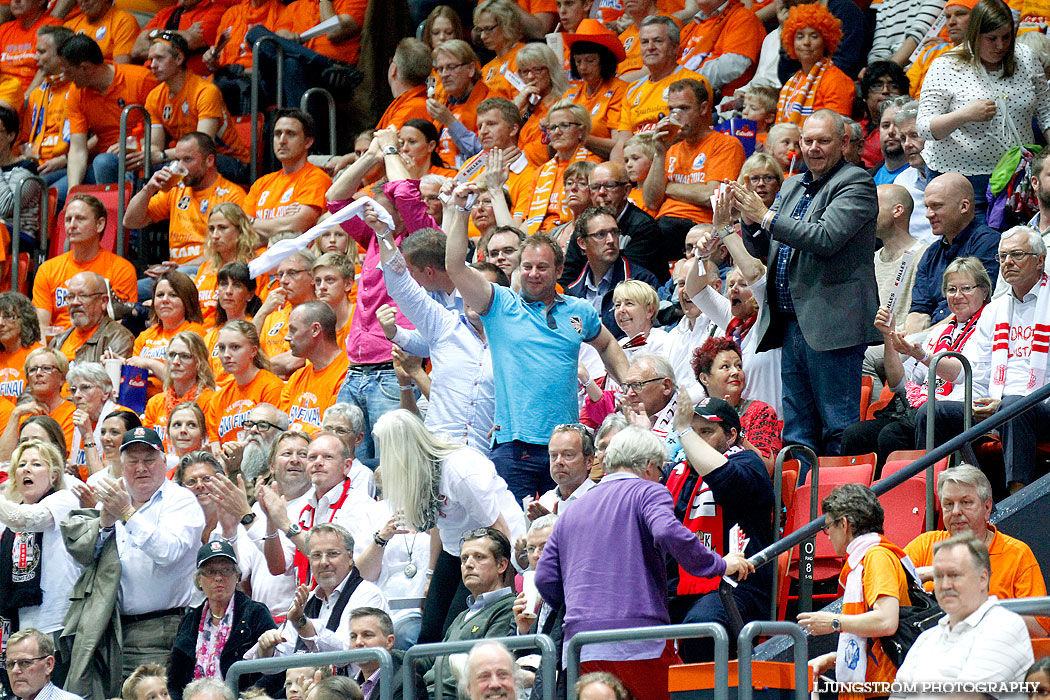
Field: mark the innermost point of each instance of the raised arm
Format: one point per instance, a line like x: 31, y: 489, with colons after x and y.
x: 349, y: 181
x: 612, y: 354
x: 496, y: 175
x: 476, y: 290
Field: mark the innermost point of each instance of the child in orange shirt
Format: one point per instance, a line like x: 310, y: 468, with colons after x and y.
x: 638, y: 154
x: 760, y: 106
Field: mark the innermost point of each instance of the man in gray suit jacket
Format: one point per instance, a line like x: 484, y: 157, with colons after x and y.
x: 819, y: 237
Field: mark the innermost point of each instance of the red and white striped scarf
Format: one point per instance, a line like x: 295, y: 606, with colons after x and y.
x: 1040, y: 341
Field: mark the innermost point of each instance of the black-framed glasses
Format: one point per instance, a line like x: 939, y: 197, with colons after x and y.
x: 599, y: 186
x: 637, y: 386
x: 600, y: 235
x: 12, y: 664
x: 562, y: 126
x: 83, y: 296
x: 260, y: 425
x: 449, y: 68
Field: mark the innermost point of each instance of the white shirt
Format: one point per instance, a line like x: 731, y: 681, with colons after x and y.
x: 553, y: 501
x: 362, y: 478
x: 678, y: 349
x: 991, y: 644
x: 359, y: 514
x: 918, y: 225
x: 59, y: 571
x: 475, y: 496
x: 275, y: 592
x: 158, y: 551
x: 462, y: 389
x: 411, y: 548
x: 1017, y: 368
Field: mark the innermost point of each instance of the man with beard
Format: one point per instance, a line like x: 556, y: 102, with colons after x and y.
x: 913, y: 178
x: 308, y: 392
x: 251, y: 456
x: 93, y: 332
x: 893, y: 159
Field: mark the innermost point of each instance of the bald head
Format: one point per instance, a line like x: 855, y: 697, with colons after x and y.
x: 949, y: 204
x: 92, y: 282
x: 87, y: 299
x: 895, y: 208
x: 955, y: 186
x: 311, y: 332
x: 610, y: 174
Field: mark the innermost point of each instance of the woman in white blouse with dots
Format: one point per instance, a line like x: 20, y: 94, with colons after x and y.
x: 979, y: 100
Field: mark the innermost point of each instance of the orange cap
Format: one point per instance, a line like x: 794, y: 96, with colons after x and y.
x: 963, y: 3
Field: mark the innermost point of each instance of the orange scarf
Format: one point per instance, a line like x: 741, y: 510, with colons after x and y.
x: 548, y: 191
x: 799, y: 94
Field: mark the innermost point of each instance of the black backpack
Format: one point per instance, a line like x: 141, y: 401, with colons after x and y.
x: 921, y: 615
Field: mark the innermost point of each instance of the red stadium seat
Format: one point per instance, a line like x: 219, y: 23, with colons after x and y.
x: 108, y: 195
x: 844, y: 470
x: 905, y: 508
x: 866, y: 387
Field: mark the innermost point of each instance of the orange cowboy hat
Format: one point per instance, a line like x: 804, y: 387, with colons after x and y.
x: 595, y: 32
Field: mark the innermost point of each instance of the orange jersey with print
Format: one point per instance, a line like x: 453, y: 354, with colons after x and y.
x: 493, y: 71
x: 18, y: 48
x: 242, y: 17
x: 100, y: 113
x: 530, y: 138
x: 51, y: 286
x: 638, y: 198
x: 114, y: 32
x: 230, y: 405
x: 408, y: 105
x: 275, y: 327
x: 157, y: 412
x: 207, y: 12
x: 646, y: 100
x: 152, y: 344
x: 604, y: 105
x: 271, y: 194
x: 734, y: 30
x: 1015, y: 571
x: 186, y: 210
x: 633, y: 60
x: 917, y: 70
x: 466, y: 113
x: 12, y: 372
x: 309, y: 392
x: 45, y: 127
x: 207, y: 294
x: 180, y: 113
x: 307, y: 13
x: 716, y: 157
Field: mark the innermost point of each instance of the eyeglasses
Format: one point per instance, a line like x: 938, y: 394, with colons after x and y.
x: 486, y: 30
x: 600, y: 235
x: 83, y: 296
x: 12, y: 664
x: 337, y: 431
x: 762, y: 179
x: 508, y: 251
x: 637, y: 386
x: 261, y: 425
x: 203, y: 481
x: 8, y: 318
x: 83, y: 388
x: 827, y: 526
x: 224, y: 572
x: 1015, y: 255
x: 951, y: 291
x: 449, y: 68
x: 533, y: 548
x: 599, y: 186
x: 561, y: 126
x: 536, y: 70
x: 43, y: 369
x: 289, y: 273
x: 575, y: 185
x: 180, y: 356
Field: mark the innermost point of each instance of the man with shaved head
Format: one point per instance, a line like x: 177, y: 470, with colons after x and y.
x: 311, y: 389
x: 93, y: 331
x: 639, y: 236
x: 892, y: 227
x: 950, y: 210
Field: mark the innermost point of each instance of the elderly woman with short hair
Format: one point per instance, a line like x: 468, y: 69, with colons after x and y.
x: 92, y: 390
x: 19, y: 335
x: 218, y: 632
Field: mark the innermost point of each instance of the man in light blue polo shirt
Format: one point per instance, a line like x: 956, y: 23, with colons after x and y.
x: 535, y: 342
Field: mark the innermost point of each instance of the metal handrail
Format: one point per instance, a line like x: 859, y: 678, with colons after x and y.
x: 1003, y: 415
x: 122, y: 155
x: 16, y: 233
x: 335, y: 658
x: 304, y: 105
x: 744, y: 647
x: 548, y: 665
x: 690, y: 631
x: 807, y: 552
x: 931, y: 400
x: 253, y: 164
x: 1027, y: 606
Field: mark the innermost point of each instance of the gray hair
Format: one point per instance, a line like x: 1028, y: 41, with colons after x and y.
x: 586, y: 439
x: 464, y: 680
x: 859, y: 505
x: 896, y: 103
x: 613, y: 423
x: 856, y: 131
x: 966, y: 475
x: 1035, y: 241
x: 435, y: 179
x: 331, y: 529
x: 909, y: 111
x: 543, y: 522
x: 282, y: 417
x: 634, y: 449
x: 207, y: 685
x: 660, y: 364
x: 838, y: 122
x: 91, y: 372
x: 352, y: 412
x: 672, y: 28
x: 541, y: 54
x: 974, y: 268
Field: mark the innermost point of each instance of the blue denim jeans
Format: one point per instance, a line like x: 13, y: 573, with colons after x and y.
x: 525, y: 467
x: 374, y: 391
x: 821, y: 393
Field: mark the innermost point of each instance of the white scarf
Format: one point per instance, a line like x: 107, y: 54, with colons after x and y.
x: 851, y: 660
x: 1040, y: 341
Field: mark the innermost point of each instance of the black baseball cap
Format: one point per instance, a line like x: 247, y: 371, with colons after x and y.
x: 215, y: 548
x: 718, y: 411
x: 144, y: 436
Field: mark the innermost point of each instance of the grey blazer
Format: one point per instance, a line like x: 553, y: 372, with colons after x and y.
x: 831, y: 273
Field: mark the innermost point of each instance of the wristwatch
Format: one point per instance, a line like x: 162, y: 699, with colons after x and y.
x: 301, y: 622
x: 248, y: 519
x: 836, y: 624
x: 293, y: 530
x: 390, y: 151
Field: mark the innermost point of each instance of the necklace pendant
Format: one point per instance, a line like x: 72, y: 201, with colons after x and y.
x: 410, y: 570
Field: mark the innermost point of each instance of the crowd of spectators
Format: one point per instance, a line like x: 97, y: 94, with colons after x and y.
x: 526, y: 355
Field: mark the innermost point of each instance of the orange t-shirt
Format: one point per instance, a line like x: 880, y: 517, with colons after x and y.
x: 198, y: 99
x: 186, y: 211
x: 207, y: 12
x: 307, y: 14
x: 114, y: 32
x: 100, y: 113
x: 342, y: 334
x: 271, y: 194
x: 466, y: 113
x: 716, y: 157
x: 530, y: 138
x: 493, y: 71
x: 63, y: 414
x: 245, y: 15
x: 45, y: 127
x: 12, y: 372
x: 604, y: 106
x: 18, y: 48
x: 645, y: 100
x: 159, y: 407
x: 883, y: 575
x: 51, y: 286
x: 230, y: 405
x: 274, y: 329
x: 411, y: 104
x: 11, y: 90
x: 152, y: 344
x: 735, y: 30
x: 207, y: 294
x: 917, y: 70
x: 633, y: 60
x: 309, y: 392
x: 638, y: 198
x: 75, y: 341
x: 210, y: 340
